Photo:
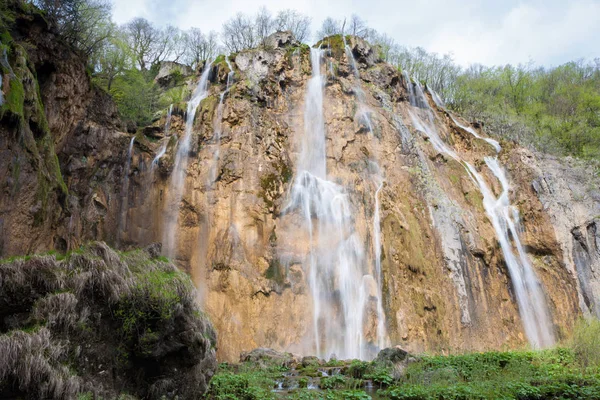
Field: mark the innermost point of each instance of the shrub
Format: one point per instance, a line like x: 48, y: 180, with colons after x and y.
x: 586, y: 342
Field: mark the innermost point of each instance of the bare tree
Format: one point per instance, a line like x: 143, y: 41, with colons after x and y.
x: 200, y: 47
x: 387, y: 47
x: 358, y: 27
x: 142, y: 37
x: 292, y: 20
x: 263, y: 25
x: 239, y: 34
x: 330, y: 27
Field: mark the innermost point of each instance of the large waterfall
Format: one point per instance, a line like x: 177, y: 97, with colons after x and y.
x: 177, y: 184
x: 364, y: 117
x: 338, y: 274
x: 534, y: 311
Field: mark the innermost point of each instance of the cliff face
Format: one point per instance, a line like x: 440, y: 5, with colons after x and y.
x: 257, y: 256
x: 60, y: 143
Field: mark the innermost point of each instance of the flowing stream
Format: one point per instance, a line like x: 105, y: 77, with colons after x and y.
x: 163, y: 147
x: 531, y: 300
x: 177, y: 184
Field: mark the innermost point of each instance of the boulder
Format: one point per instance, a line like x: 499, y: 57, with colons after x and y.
x: 281, y: 39
x: 170, y: 72
x: 392, y: 355
x: 265, y: 357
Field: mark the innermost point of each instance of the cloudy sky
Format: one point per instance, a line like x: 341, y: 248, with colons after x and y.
x: 548, y: 32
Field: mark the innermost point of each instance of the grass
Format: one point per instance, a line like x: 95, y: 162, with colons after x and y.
x: 548, y: 374
x: 569, y: 372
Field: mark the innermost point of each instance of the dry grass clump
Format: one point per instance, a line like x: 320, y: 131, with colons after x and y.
x: 30, y: 362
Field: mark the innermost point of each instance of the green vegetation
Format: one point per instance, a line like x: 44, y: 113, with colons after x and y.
x: 570, y: 372
x: 95, y: 309
x: 136, y: 95
x: 554, y: 109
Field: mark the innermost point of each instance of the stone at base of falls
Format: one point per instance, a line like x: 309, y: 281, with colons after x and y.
x: 311, y: 361
x: 264, y: 357
x: 392, y: 355
x: 97, y: 323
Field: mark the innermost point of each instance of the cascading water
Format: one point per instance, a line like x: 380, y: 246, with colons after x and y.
x: 363, y: 113
x: 473, y: 132
x: 125, y: 191
x: 177, y: 184
x: 4, y: 63
x: 535, y: 315
x: 163, y: 147
x: 338, y: 276
x: 365, y: 116
x: 217, y: 125
x: 381, y: 331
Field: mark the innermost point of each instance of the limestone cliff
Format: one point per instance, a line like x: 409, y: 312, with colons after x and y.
x: 445, y: 283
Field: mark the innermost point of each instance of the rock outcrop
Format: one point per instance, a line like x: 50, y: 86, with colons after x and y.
x: 101, y: 323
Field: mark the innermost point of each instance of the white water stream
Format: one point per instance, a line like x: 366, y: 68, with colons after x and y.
x: 218, y: 126
x: 529, y: 293
x: 177, y: 184
x: 339, y: 277
x: 364, y: 116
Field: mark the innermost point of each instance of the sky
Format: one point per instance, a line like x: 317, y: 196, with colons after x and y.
x: 489, y: 32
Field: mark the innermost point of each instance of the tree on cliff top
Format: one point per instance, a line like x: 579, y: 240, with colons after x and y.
x: 85, y: 24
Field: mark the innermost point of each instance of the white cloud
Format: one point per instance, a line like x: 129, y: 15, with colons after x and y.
x: 490, y: 32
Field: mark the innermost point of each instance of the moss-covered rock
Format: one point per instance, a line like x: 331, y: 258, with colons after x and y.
x: 102, y: 322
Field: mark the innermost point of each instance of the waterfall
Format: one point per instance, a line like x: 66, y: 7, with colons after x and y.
x: 177, y: 184
x: 168, y: 120
x: 436, y: 99
x: 122, y: 225
x: 492, y: 142
x: 365, y: 115
x: 531, y: 301
x: 163, y: 147
x: 381, y: 331
x: 218, y: 125
x: 338, y: 276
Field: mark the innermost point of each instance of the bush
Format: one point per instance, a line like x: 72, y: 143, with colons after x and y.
x: 586, y: 342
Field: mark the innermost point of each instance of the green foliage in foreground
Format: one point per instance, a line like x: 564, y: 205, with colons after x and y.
x: 550, y: 374
x: 571, y: 372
